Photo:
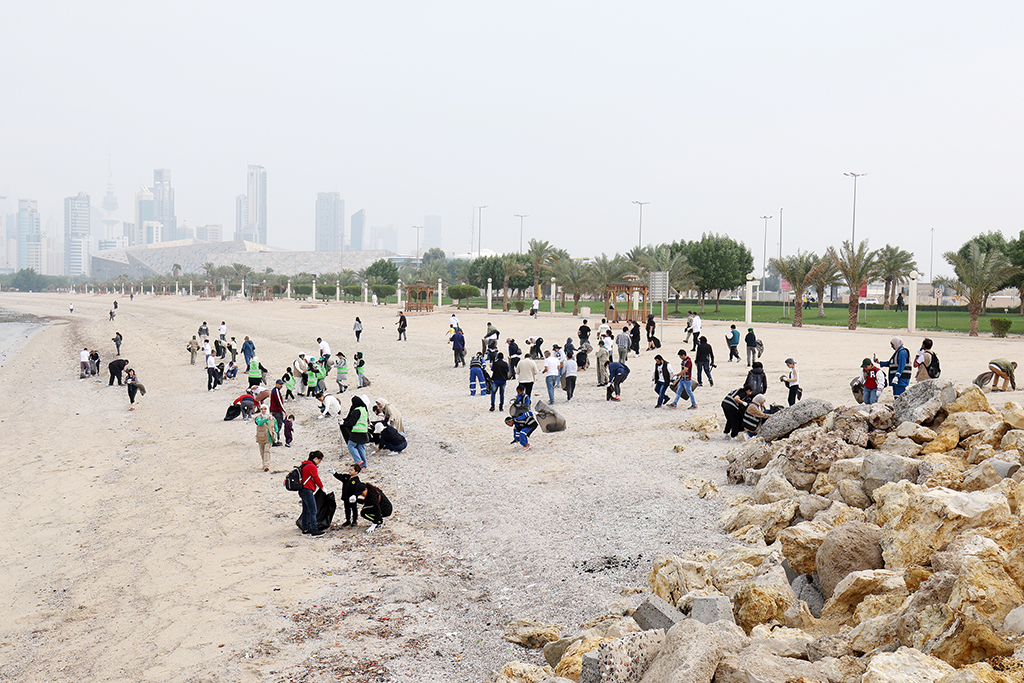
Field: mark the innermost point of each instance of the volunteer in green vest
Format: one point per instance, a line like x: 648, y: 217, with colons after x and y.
x: 289, y: 385
x: 255, y: 372
x: 341, y: 367
x: 312, y: 377
x: 355, y: 429
x: 321, y: 377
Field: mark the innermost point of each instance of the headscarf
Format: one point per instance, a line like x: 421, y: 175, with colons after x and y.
x: 394, y: 417
x: 896, y: 342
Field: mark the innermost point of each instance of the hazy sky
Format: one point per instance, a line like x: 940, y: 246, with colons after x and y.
x: 715, y: 113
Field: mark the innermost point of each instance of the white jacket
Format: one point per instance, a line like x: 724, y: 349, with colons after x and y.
x: 526, y: 371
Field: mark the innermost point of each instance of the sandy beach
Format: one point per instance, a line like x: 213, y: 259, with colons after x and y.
x: 150, y: 545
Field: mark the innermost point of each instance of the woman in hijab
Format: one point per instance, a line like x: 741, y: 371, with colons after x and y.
x: 390, y: 413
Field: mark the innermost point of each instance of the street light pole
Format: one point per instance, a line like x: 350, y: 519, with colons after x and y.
x: 853, y: 234
x: 479, y: 227
x: 640, y: 234
x: 417, y: 228
x: 764, y: 256
x: 521, y: 216
x: 931, y: 259
x: 780, y: 234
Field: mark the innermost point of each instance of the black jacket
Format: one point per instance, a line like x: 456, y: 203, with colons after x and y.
x: 705, y: 353
x: 758, y: 381
x: 750, y: 339
x: 348, y: 484
x: 499, y: 371
x: 350, y: 421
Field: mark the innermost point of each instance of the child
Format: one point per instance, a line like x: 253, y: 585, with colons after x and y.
x: 232, y: 371
x: 349, y: 484
x: 361, y: 369
x: 289, y: 384
x: 376, y: 505
x: 311, y: 379
x: 522, y: 420
x: 341, y: 367
x: 792, y: 380
x: 288, y: 422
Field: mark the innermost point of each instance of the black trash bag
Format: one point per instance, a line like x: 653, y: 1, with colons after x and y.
x: 326, y: 506
x: 233, y: 412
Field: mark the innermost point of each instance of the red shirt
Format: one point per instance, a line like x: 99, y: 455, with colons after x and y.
x: 310, y: 476
x: 686, y: 367
x: 276, y: 405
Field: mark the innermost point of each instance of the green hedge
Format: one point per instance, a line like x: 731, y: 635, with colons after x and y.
x: 1000, y: 326
x: 303, y: 290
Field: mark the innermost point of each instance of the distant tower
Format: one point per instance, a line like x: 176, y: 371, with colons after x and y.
x: 256, y: 205
x: 356, y: 226
x: 330, y: 221
x: 241, y: 217
x: 77, y: 240
x: 110, y: 206
x: 147, y: 228
x: 30, y: 237
x: 163, y: 204
x: 431, y: 232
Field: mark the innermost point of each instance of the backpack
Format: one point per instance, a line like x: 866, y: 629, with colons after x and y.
x: 293, y: 481
x: 933, y: 367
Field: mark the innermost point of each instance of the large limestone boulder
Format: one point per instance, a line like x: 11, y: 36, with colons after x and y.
x: 627, y: 658
x: 856, y: 586
x: 880, y: 416
x: 769, y: 519
x: 983, y: 590
x: 850, y: 547
x: 845, y: 669
x: 1011, y: 670
x: 730, y: 636
x: 972, y: 399
x: 813, y: 450
x: 969, y: 423
x: 754, y: 604
x: 1011, y: 439
x: 782, y: 641
x: 739, y: 565
x: 752, y: 455
x: 788, y: 420
x: 1013, y: 415
x: 946, y: 439
x: 849, y: 424
x: 853, y: 494
x: 800, y: 545
x: 993, y: 436
x: 691, y: 654
x: 773, y: 487
x: 923, y: 401
x: 881, y: 468
x: 941, y: 469
x: 531, y: 633
x: 904, y: 665
x: 915, y: 432
x: 915, y: 521
x: 757, y: 664
x: 521, y: 672
x: 908, y: 448
x: 982, y: 476
x: 672, y: 577
x: 571, y: 664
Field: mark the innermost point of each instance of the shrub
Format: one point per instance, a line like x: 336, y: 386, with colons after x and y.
x: 462, y: 292
x: 520, y: 305
x: 326, y: 291
x: 383, y: 291
x: 303, y: 290
x: 354, y: 291
x: 1000, y: 326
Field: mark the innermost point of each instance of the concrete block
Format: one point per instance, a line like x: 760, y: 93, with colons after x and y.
x: 707, y: 609
x: 591, y: 672
x: 654, y: 613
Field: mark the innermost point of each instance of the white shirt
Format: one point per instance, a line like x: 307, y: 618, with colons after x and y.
x: 325, y: 350
x: 223, y: 329
x: 570, y: 367
x: 551, y: 366
x: 209, y: 361
x: 603, y: 329
x: 85, y: 355
x: 696, y: 323
x: 536, y: 303
x: 331, y: 406
x: 454, y: 321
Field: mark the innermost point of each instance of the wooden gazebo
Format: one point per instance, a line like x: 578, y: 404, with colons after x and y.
x: 262, y: 292
x: 207, y: 291
x: 419, y: 298
x: 637, y: 304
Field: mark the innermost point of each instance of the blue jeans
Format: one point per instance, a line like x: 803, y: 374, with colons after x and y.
x: 499, y: 386
x: 706, y: 367
x: 686, y: 384
x: 870, y: 396
x: 477, y: 375
x: 358, y: 451
x: 660, y: 388
x: 552, y: 382
x: 899, y: 387
x: 308, y: 518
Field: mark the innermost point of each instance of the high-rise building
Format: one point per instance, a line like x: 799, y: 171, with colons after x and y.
x: 384, y: 237
x: 209, y: 233
x: 256, y: 205
x: 109, y: 207
x: 241, y: 217
x: 77, y: 237
x: 145, y: 212
x: 431, y: 233
x: 356, y: 226
x: 30, y: 236
x: 163, y: 204
x: 330, y: 221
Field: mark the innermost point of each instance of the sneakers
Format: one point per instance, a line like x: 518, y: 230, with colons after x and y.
x: 526, y: 447
x: 692, y: 408
x: 616, y: 398
x: 266, y: 469
x: 711, y: 381
x: 671, y: 405
x: 287, y: 445
x: 372, y: 528
x: 492, y: 409
x: 318, y: 532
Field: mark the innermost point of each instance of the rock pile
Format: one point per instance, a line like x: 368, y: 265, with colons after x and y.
x: 877, y: 544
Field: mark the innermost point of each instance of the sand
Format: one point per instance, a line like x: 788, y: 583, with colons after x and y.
x: 150, y: 545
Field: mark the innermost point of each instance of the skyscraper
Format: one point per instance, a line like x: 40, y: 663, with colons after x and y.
x: 145, y: 216
x: 30, y: 236
x: 241, y: 217
x: 77, y: 237
x: 163, y: 204
x: 256, y: 204
x: 431, y: 232
x: 330, y: 221
x: 209, y: 233
x: 356, y: 226
x: 384, y: 237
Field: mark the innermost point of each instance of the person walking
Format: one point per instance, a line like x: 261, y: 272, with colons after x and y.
x: 662, y: 378
x: 459, y: 347
x: 551, y: 374
x: 499, y: 378
x: 570, y: 369
x: 355, y: 429
x: 634, y: 337
x: 204, y: 331
x: 534, y: 307
x: 357, y: 327
x: 402, y: 325
x: 255, y: 371
x: 277, y: 410
x: 325, y: 348
x: 223, y: 331
x: 622, y: 342
x: 262, y: 421
x: 792, y: 380
x: 1002, y: 369
x: 651, y: 328
x: 132, y: 382
x: 751, y: 341
x: 583, y: 334
x: 617, y: 374
x: 233, y: 350
x: 602, y: 357
x: 310, y: 477
x: 71, y: 308
x: 212, y: 375
x: 112, y: 314
x: 341, y: 372
x: 684, y: 386
x: 696, y: 325
x: 117, y: 339
x: 528, y: 372
x: 872, y: 380
x: 733, y: 339
x: 248, y: 350
x: 705, y: 361
x: 515, y: 354
x: 689, y: 326
x: 898, y: 365
x: 924, y: 360
x: 899, y: 302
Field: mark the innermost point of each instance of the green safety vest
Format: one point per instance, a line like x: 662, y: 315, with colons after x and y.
x: 290, y: 382
x: 321, y: 372
x: 342, y: 367
x: 362, y: 425
x: 254, y: 369
x: 311, y: 378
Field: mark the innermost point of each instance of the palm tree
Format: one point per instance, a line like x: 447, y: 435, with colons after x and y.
x: 510, y: 268
x: 824, y: 278
x: 978, y: 275
x: 895, y: 266
x: 575, y: 278
x: 681, y: 275
x: 857, y: 267
x: 638, y: 261
x: 175, y: 270
x: 606, y: 271
x: 540, y: 253
x: 800, y: 270
x: 209, y: 268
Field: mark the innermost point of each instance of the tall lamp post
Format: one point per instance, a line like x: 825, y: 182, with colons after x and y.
x: 479, y: 227
x: 853, y: 234
x: 764, y: 256
x: 931, y: 259
x: 640, y: 233
x: 417, y: 228
x: 521, y: 216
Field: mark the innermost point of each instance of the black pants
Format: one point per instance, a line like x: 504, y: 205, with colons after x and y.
x: 115, y: 375
x: 794, y: 389
x: 615, y: 387
x: 734, y: 352
x: 528, y: 388
x: 401, y: 334
x: 212, y: 378
x: 460, y: 357
x: 370, y: 514
x: 733, y: 419
x: 132, y: 389
x: 570, y: 387
x: 351, y: 512
x: 512, y: 363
